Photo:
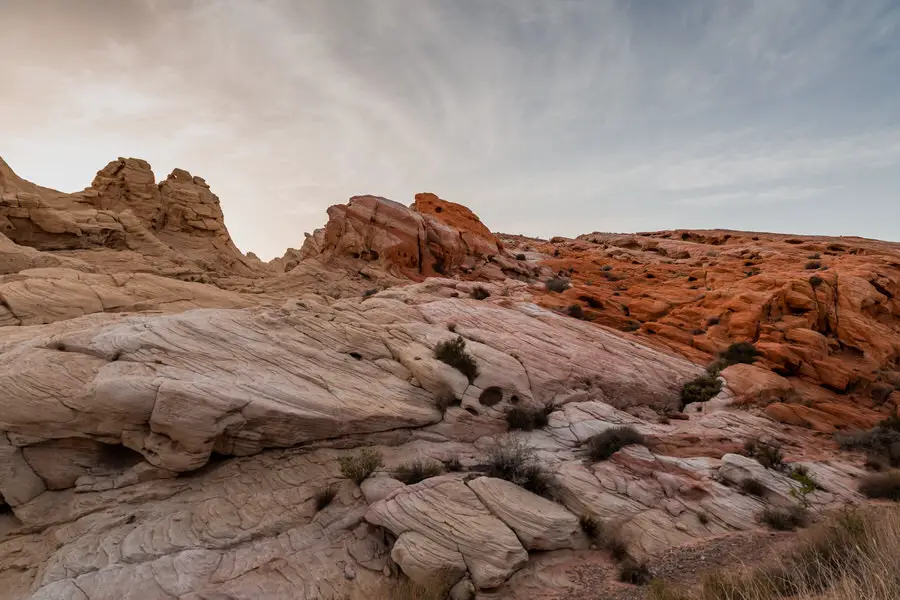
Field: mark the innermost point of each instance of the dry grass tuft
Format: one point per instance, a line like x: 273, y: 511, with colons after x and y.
x: 855, y: 555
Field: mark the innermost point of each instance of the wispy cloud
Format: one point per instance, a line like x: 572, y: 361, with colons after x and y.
x: 550, y: 117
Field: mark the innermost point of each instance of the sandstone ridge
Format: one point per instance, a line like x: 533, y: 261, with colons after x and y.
x: 176, y: 417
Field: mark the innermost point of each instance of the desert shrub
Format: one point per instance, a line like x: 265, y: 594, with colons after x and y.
x: 575, y: 311
x: 884, y: 486
x: 521, y: 256
x: 606, y: 443
x: 700, y: 389
x: 785, y: 519
x: 635, y: 573
x: 753, y: 487
x: 418, y: 470
x: 606, y: 268
x: 371, y: 292
x: 445, y: 398
x: 590, y: 525
x: 453, y: 464
x: 813, y: 264
x: 528, y: 418
x: 881, y: 443
x: 815, y: 256
x: 703, y: 517
x: 816, y: 281
x: 717, y: 366
x: 359, y: 466
x: 880, y: 392
x: 557, y: 284
x: 324, y: 497
x: 768, y: 454
x: 740, y: 352
x: 517, y: 463
x: 453, y: 352
x: 479, y: 293
x: 713, y: 321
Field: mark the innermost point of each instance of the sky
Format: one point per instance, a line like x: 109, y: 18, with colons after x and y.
x: 546, y: 117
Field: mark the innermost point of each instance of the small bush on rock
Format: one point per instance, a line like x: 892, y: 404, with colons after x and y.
x: 358, y: 467
x: 753, y: 487
x: 740, y: 352
x: 768, y: 454
x: 590, y: 525
x: 517, y: 463
x: 453, y: 353
x: 604, y: 444
x: 453, y: 464
x: 557, y: 284
x: 813, y: 264
x: 575, y: 311
x: 418, y: 470
x: 527, y: 418
x: 324, y: 497
x: 785, y: 519
x: 700, y: 389
x: 521, y: 256
x: 884, y: 486
x: 479, y: 293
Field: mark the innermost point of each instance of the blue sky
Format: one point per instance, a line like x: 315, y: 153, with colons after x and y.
x: 546, y: 117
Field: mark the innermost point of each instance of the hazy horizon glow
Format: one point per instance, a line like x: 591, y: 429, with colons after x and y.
x: 545, y: 117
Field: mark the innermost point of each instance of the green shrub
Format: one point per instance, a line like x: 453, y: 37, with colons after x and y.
x: 359, y: 466
x: 324, y: 497
x: 701, y: 389
x: 517, y: 463
x: 813, y: 264
x: 740, y: 352
x: 768, y: 454
x: 417, y: 470
x: 557, y: 284
x: 606, y: 443
x: 590, y: 525
x: 606, y: 268
x: 521, y: 256
x: 527, y: 418
x: 453, y: 352
x: 884, y: 486
x: 785, y: 519
x: 882, y: 443
x: 453, y: 464
x: 753, y: 487
x: 575, y: 311
x: 816, y: 281
x: 479, y: 293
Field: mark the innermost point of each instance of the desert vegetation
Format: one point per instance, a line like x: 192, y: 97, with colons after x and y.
x: 513, y: 460
x: 604, y: 444
x: 418, y: 470
x: 853, y: 555
x: 357, y: 467
x: 453, y: 352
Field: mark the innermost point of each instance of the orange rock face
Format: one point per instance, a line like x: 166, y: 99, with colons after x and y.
x: 433, y: 237
x: 823, y: 312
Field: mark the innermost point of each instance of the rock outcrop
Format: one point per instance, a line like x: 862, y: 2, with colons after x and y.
x: 179, y: 420
x: 823, y: 312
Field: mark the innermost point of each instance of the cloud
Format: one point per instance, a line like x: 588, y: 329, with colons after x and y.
x: 556, y: 116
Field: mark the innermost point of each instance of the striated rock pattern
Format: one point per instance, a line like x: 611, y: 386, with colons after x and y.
x: 175, y: 416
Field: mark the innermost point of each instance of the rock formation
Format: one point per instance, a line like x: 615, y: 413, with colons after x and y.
x: 175, y: 416
x: 823, y: 312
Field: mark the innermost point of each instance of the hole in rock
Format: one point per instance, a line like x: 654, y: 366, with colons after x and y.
x: 356, y: 355
x: 491, y: 396
x: 438, y: 209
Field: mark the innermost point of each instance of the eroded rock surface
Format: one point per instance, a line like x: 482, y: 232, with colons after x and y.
x: 173, y: 412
